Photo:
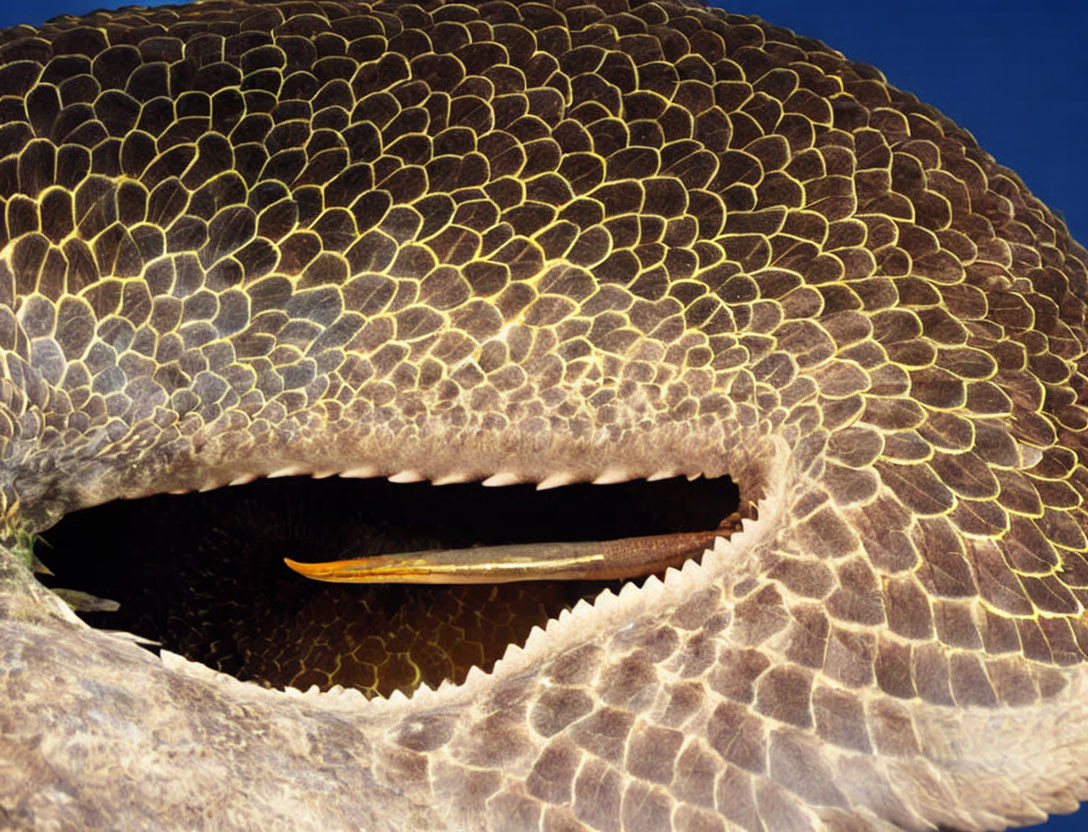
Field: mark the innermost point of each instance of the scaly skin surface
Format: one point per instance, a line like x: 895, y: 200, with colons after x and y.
x: 549, y: 243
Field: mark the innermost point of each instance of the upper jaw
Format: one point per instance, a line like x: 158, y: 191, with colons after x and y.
x: 47, y: 486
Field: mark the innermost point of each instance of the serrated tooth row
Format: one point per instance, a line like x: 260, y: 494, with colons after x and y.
x: 604, y: 607
x: 608, y: 476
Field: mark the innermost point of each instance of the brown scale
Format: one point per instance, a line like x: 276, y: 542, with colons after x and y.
x: 554, y: 243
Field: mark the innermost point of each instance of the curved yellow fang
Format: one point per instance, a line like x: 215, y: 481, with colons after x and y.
x: 629, y: 557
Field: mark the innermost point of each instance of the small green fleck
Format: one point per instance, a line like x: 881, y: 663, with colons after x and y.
x: 24, y: 550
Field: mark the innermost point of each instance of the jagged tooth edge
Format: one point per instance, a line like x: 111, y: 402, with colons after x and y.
x: 474, y: 676
x: 535, y: 635
x: 581, y: 604
x: 407, y: 476
x: 605, y: 609
x: 442, y: 686
x: 652, y: 583
x: 608, y: 605
x: 557, y: 481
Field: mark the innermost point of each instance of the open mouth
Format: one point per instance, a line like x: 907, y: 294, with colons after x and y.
x: 203, y: 574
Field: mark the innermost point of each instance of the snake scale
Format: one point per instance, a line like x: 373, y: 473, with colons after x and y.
x: 548, y: 242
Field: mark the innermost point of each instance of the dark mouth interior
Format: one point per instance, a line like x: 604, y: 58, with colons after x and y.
x: 202, y: 574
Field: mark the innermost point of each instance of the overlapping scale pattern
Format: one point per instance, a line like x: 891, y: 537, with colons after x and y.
x: 561, y: 236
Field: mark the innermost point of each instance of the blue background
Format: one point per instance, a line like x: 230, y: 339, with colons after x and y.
x: 1014, y: 76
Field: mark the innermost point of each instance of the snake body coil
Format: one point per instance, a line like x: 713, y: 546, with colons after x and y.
x: 549, y: 242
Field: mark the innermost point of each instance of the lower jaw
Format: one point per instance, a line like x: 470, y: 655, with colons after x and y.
x: 202, y: 574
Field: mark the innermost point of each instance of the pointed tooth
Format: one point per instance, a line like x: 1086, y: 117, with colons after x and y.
x: 289, y: 471
x: 604, y: 602
x: 502, y: 478
x: 663, y: 475
x: 693, y: 477
x: 243, y: 479
x: 445, y: 686
x: 361, y: 472
x: 211, y: 485
x: 407, y: 477
x: 536, y: 635
x: 513, y: 650
x: 452, y: 479
x: 342, y: 694
x: 323, y: 474
x: 653, y: 583
x: 612, y: 475
x: 475, y: 674
x: 557, y: 480
x: 691, y: 566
